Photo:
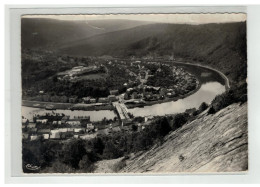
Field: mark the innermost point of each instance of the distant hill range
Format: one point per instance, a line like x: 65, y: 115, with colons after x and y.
x: 222, y: 46
x: 51, y: 33
x: 163, y: 39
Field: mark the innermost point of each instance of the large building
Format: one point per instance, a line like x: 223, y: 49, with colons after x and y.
x: 113, y: 92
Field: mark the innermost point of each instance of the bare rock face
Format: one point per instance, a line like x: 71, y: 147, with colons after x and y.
x: 210, y: 143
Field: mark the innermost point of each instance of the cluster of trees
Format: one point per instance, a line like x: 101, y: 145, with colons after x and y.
x: 236, y: 94
x: 38, y: 66
x: 41, y: 75
x: 163, y: 78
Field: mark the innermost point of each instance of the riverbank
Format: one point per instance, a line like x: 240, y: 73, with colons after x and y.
x: 227, y: 82
x: 67, y: 106
x: 149, y: 103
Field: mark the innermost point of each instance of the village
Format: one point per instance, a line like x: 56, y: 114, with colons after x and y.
x: 134, y: 83
x: 142, y: 83
x: 56, y: 126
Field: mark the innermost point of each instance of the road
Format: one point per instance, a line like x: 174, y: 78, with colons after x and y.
x: 210, y: 68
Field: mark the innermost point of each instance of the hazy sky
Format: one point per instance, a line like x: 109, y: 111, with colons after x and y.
x: 165, y: 18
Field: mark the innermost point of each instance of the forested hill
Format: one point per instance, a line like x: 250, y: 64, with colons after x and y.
x: 49, y: 34
x: 220, y: 45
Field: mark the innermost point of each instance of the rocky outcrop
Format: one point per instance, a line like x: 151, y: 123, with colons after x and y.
x: 210, y: 143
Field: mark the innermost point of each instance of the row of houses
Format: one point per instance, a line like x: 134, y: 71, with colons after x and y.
x: 55, y: 119
x: 55, y: 98
x: 61, y: 133
x: 64, y: 99
x: 110, y: 98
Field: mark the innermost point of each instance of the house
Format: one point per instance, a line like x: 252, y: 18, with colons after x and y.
x: 103, y: 100
x: 44, y: 131
x: 64, y: 119
x: 79, y: 130
x: 25, y: 121
x: 54, y: 98
x: 46, y: 98
x: 34, y: 137
x: 90, y: 127
x: 116, y: 129
x: 88, y: 136
x: 92, y: 100
x: 66, y: 135
x: 33, y: 130
x: 83, y: 119
x: 55, y: 135
x: 129, y: 90
x: 156, y: 89
x: 46, y: 136
x: 38, y: 98
x: 70, y: 130
x: 25, y: 136
x: 86, y: 99
x: 146, y: 118
x: 142, y: 74
x: 63, y: 136
x: 31, y: 125
x: 159, y: 70
x: 73, y: 99
x: 103, y: 132
x: 76, y: 136
x: 170, y: 95
x: 134, y: 95
x: 113, y: 92
x: 112, y: 98
x: 73, y: 122
x: 23, y: 128
x: 42, y: 121
x: 63, y: 99
x: 126, y: 96
x: 56, y: 122
x: 163, y: 92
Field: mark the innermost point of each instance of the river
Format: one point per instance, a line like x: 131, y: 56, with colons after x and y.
x: 206, y: 93
x: 28, y: 113
x: 212, y: 84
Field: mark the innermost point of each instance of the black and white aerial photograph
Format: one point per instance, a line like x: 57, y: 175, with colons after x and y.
x: 134, y: 93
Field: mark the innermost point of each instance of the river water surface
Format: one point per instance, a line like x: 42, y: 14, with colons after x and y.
x: 206, y: 93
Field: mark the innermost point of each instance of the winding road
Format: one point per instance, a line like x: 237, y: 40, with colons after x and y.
x: 227, y: 84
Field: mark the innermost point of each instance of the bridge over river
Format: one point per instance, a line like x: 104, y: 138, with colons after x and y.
x: 122, y: 111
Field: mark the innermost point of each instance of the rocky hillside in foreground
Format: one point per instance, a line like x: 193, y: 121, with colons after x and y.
x: 210, y: 143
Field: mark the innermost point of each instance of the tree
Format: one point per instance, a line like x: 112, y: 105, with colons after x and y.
x: 163, y: 127
x: 111, y: 151
x: 134, y: 127
x: 203, y: 107
x: 98, y: 146
x: 73, y: 153
x: 179, y: 120
x: 211, y: 111
x: 85, y: 164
